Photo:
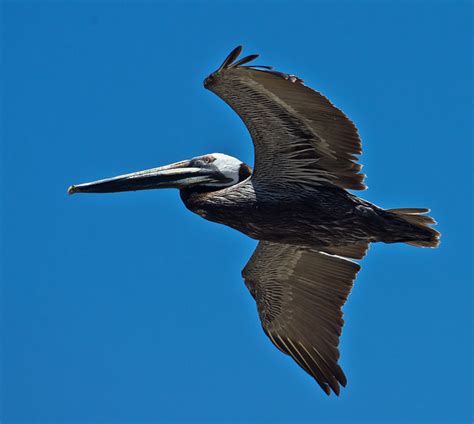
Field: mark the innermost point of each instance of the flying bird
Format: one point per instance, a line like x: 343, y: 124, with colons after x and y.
x: 295, y: 202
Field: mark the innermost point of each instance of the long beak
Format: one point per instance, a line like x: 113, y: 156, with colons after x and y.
x: 176, y: 175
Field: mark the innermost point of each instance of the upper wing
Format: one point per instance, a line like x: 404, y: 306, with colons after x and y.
x: 298, y: 134
x: 299, y: 294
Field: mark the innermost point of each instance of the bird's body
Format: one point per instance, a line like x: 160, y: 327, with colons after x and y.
x: 295, y: 202
x: 317, y: 217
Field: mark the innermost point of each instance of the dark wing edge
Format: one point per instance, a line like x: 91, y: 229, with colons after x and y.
x: 299, y: 294
x: 319, y: 144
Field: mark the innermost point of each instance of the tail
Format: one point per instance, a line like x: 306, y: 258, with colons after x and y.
x: 420, y: 233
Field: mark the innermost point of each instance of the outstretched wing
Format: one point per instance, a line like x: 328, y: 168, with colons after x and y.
x: 299, y: 294
x: 298, y: 135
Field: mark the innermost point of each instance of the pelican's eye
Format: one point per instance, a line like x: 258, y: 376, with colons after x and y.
x: 208, y: 159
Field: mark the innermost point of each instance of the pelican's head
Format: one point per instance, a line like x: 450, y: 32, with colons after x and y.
x: 211, y: 171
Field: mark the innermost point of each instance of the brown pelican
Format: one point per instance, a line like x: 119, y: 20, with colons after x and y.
x: 295, y: 202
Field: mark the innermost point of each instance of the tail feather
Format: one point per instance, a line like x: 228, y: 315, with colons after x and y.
x: 429, y: 237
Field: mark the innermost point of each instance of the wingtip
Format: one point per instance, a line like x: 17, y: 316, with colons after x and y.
x: 236, y: 51
x: 231, y: 57
x: 244, y: 60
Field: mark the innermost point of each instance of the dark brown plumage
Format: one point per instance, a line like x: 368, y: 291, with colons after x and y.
x: 298, y: 135
x: 294, y: 202
x: 299, y: 294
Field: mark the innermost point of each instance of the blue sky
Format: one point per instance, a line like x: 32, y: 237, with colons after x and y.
x: 127, y: 307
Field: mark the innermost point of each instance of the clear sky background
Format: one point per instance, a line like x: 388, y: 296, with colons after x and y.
x: 127, y: 307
